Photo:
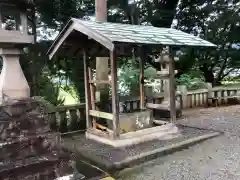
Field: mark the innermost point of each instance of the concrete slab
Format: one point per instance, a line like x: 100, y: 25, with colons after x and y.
x: 111, y: 158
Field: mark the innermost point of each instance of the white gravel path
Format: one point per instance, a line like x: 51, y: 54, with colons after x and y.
x: 214, y: 159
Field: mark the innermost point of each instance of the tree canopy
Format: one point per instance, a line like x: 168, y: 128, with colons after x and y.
x: 217, y: 21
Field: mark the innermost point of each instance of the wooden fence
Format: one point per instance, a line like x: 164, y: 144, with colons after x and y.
x: 205, y: 97
x: 72, y: 117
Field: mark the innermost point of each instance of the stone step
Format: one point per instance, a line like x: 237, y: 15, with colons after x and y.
x: 137, y: 137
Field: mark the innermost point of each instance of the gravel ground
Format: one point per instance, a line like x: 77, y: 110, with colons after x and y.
x: 214, y: 159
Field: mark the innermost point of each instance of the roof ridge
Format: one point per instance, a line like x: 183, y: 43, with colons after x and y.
x: 117, y: 23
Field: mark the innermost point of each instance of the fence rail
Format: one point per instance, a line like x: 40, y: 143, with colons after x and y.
x: 73, y: 117
x: 204, y: 97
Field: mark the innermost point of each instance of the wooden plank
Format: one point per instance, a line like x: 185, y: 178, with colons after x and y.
x: 156, y: 106
x: 103, y: 128
x: 100, y: 114
x: 115, y: 101
x: 100, y: 133
x: 87, y: 88
x: 99, y: 82
x: 162, y: 77
x: 172, y: 87
x: 217, y: 98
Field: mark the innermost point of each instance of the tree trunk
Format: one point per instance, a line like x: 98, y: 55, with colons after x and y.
x: 102, y: 64
x: 208, y: 74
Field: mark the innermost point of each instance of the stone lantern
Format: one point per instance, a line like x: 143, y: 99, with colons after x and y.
x: 164, y: 74
x: 13, y: 37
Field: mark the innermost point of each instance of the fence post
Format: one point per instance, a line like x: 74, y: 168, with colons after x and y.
x: 183, y: 90
x: 238, y: 96
x: 210, y: 93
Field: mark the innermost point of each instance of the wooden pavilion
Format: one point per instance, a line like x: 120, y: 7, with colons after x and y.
x: 104, y: 39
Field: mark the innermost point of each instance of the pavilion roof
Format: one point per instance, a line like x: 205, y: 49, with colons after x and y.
x: 108, y: 34
x: 16, y: 1
x: 21, y: 4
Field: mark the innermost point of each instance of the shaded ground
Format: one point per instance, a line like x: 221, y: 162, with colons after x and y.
x: 214, y: 159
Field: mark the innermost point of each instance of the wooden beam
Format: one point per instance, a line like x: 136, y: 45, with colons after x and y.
x: 70, y: 51
x: 172, y: 87
x: 101, y: 133
x: 100, y: 114
x: 95, y: 50
x: 100, y: 82
x: 96, y: 36
x: 141, y: 80
x: 124, y: 50
x: 103, y: 128
x: 54, y: 48
x: 87, y: 88
x: 115, y: 102
x: 92, y: 88
x: 92, y: 95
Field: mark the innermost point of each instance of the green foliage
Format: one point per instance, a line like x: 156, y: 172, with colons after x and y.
x: 71, y: 70
x: 35, y: 67
x: 49, y: 90
x: 150, y: 73
x: 218, y: 22
x: 215, y: 21
x: 190, y: 81
x: 129, y: 78
x: 55, y: 13
x: 71, y: 93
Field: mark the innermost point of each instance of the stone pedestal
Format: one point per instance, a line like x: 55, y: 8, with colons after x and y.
x: 162, y: 111
x: 13, y: 84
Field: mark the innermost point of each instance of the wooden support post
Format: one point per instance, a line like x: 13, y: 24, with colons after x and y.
x: 172, y: 87
x: 92, y: 94
x: 141, y: 80
x: 87, y: 88
x: 115, y: 105
x: 0, y: 20
x: 24, y: 24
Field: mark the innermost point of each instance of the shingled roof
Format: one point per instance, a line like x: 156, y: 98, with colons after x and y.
x: 108, y: 34
x: 8, y: 2
x: 21, y: 4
